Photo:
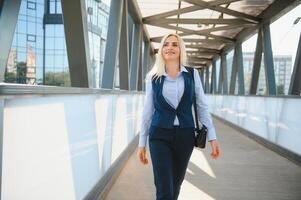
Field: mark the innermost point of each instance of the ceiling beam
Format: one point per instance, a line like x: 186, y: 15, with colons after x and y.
x: 221, y: 9
x: 203, y: 49
x: 183, y: 10
x: 200, y: 21
x: 191, y: 32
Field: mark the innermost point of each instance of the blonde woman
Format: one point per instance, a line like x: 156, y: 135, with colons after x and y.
x: 167, y: 118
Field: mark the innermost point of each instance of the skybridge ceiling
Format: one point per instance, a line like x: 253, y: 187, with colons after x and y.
x: 207, y: 26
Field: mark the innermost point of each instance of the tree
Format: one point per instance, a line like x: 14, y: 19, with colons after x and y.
x: 57, y: 78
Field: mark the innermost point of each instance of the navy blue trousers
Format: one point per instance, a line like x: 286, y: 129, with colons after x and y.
x: 170, y: 151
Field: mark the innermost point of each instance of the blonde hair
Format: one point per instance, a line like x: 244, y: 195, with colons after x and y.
x: 159, y: 67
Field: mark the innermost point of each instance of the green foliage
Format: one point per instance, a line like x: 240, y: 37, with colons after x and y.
x: 57, y: 79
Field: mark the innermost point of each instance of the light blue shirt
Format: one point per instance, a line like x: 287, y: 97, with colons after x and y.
x: 172, y: 91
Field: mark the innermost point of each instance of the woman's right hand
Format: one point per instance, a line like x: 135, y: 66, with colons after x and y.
x: 142, y: 155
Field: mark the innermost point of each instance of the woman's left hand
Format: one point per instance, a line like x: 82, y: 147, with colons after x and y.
x: 215, y: 149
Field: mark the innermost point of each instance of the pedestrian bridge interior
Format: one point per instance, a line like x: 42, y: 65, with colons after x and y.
x: 76, y: 137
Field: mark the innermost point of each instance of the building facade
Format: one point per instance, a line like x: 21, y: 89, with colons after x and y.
x: 38, y: 53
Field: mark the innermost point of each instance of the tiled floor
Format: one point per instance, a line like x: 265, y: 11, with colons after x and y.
x: 245, y: 171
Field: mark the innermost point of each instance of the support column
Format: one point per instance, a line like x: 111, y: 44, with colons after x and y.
x: 139, y: 76
x: 201, y: 72
x: 135, y: 57
x: 112, y: 44
x: 213, y: 89
x: 240, y: 66
x: 225, y: 79
x: 207, y: 80
x: 256, y: 63
x: 9, y: 10
x: 220, y: 78
x: 233, y: 72
x: 295, y: 85
x: 124, y: 49
x: 268, y: 61
x: 77, y: 42
x: 145, y: 63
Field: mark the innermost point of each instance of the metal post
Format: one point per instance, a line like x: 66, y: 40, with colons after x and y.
x: 295, y: 85
x: 112, y: 44
x: 233, y: 72
x: 135, y: 57
x: 124, y: 50
x: 207, y: 80
x: 145, y: 63
x: 77, y: 42
x: 268, y: 61
x: 213, y: 78
x: 9, y: 10
x: 225, y: 79
x: 256, y: 63
x: 240, y: 68
x: 220, y: 79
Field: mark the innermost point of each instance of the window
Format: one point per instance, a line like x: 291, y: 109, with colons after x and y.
x: 31, y: 5
x: 31, y: 38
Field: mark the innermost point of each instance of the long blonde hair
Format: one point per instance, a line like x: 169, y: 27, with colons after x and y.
x: 159, y: 67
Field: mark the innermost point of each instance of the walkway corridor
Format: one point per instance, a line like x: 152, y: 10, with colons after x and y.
x: 246, y: 170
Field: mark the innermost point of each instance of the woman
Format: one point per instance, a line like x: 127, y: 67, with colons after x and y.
x: 167, y: 118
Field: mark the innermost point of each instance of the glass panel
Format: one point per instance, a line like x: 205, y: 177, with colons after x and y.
x: 229, y: 58
x: 248, y: 49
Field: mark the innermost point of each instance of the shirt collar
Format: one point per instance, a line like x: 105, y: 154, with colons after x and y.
x: 182, y: 69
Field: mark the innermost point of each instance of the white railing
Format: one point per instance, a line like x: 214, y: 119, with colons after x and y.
x: 58, y: 146
x: 276, y: 119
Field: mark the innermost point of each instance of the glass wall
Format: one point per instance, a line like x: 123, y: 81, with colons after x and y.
x: 248, y: 50
x: 38, y: 54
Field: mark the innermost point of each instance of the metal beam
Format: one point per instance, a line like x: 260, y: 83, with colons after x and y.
x: 140, y: 63
x: 77, y: 42
x: 268, y: 60
x: 201, y: 21
x: 192, y: 32
x: 240, y: 67
x: 1, y: 139
x: 112, y: 44
x: 201, y: 72
x: 295, y: 85
x: 203, y: 49
x: 124, y: 49
x: 256, y: 63
x: 9, y: 11
x: 213, y: 88
x: 220, y: 78
x: 224, y: 74
x: 183, y: 10
x: 135, y: 13
x: 233, y: 73
x: 145, y: 63
x: 135, y: 57
x: 207, y: 80
x: 197, y: 53
x: 221, y: 9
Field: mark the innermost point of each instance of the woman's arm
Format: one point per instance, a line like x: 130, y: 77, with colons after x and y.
x: 147, y: 114
x: 202, y: 107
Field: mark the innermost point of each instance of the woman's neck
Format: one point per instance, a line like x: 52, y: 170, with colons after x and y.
x: 172, y: 69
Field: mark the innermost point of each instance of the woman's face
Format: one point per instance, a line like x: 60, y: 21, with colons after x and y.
x: 171, y: 49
